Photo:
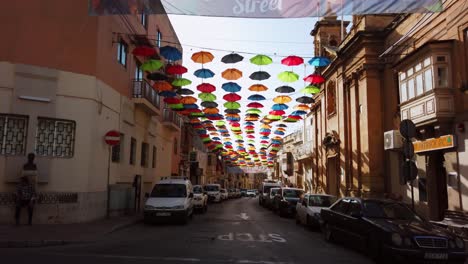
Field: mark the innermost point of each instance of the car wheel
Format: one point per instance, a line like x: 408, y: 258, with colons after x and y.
x: 327, y: 233
x: 374, y: 248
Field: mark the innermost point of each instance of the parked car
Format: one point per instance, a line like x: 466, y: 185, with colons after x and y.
x: 224, y: 194
x: 308, y: 209
x: 243, y: 192
x: 285, y: 200
x: 200, y: 198
x: 251, y: 193
x: 171, y: 199
x: 265, y: 191
x: 214, y: 194
x: 270, y: 198
x: 390, y: 230
x: 231, y: 193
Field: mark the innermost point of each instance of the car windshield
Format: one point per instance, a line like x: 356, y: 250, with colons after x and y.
x: 266, y: 189
x: 197, y: 189
x: 211, y: 188
x: 388, y: 210
x: 288, y: 193
x: 169, y: 190
x: 274, y: 192
x: 321, y: 201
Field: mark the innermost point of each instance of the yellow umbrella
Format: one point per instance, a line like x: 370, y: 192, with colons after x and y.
x: 202, y: 57
x: 282, y: 99
x: 188, y: 100
x: 232, y: 74
x: 251, y: 119
x: 211, y: 111
x: 281, y: 129
x: 258, y: 88
x: 302, y: 107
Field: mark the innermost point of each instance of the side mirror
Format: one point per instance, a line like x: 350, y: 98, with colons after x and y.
x: 356, y: 214
x: 147, y: 195
x: 190, y: 195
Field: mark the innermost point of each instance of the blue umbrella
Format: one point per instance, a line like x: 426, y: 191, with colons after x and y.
x: 249, y: 123
x: 170, y: 53
x: 231, y: 87
x: 168, y: 94
x: 216, y: 138
x: 191, y: 106
x: 201, y: 132
x: 233, y: 119
x: 319, y: 61
x: 275, y: 141
x: 204, y: 73
x: 265, y: 130
x: 257, y: 97
x: 228, y: 143
x: 264, y: 137
x: 299, y: 112
x: 277, y: 107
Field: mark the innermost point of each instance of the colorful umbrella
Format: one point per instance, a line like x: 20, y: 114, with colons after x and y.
x: 188, y: 100
x: 274, y: 117
x: 319, y: 61
x: 232, y: 111
x: 299, y: 113
x: 277, y: 112
x: 315, y: 78
x: 232, y: 74
x: 311, y: 89
x: 282, y: 99
x: 232, y: 105
x: 175, y: 106
x: 232, y: 97
x: 288, y: 77
x: 204, y: 73
x: 176, y: 69
x: 209, y: 104
x: 285, y: 89
x: 261, y: 60
x: 151, y: 65
x: 157, y: 76
x: 210, y: 111
x: 172, y: 100
x: 292, y: 61
x: 206, y: 88
x: 254, y: 111
x: 256, y: 97
x: 189, y: 106
x: 302, y: 107
x: 207, y: 97
x: 162, y: 86
x: 170, y: 53
x: 144, y: 51
x: 305, y: 100
x: 255, y: 105
x: 232, y: 58
x: 279, y: 107
x: 260, y: 76
x: 231, y: 87
x: 258, y: 88
x: 185, y: 91
x: 168, y: 94
x: 202, y: 57
x: 181, y: 82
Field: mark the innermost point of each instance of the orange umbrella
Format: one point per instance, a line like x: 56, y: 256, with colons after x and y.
x: 302, y: 107
x: 232, y: 74
x: 162, y: 86
x: 188, y: 100
x: 211, y: 111
x: 282, y: 99
x: 202, y: 57
x: 233, y: 115
x: 258, y: 88
x: 281, y: 129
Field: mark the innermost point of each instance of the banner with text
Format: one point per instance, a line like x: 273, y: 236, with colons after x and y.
x: 263, y: 8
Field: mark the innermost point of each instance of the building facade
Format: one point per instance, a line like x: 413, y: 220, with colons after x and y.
x: 64, y: 83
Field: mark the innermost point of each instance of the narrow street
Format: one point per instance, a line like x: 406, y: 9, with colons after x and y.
x: 236, y: 231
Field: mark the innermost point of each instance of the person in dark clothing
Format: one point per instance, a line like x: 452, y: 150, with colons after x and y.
x: 25, y: 197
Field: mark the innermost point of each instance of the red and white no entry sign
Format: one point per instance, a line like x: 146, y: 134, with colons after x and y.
x: 112, y: 138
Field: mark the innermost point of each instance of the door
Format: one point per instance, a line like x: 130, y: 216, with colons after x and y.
x: 338, y: 221
x: 356, y: 231
x: 436, y: 185
x: 332, y: 176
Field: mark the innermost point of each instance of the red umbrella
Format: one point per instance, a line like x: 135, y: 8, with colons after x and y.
x: 277, y: 112
x: 144, y: 51
x: 255, y: 105
x: 172, y: 100
x: 315, y: 78
x: 236, y: 124
x: 264, y: 142
x: 250, y: 136
x: 206, y: 88
x: 292, y: 61
x: 232, y: 97
x: 249, y: 127
x: 296, y: 117
x: 176, y: 69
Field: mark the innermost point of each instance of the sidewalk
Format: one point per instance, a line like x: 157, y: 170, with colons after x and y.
x: 61, y: 234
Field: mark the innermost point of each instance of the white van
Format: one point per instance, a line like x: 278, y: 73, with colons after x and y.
x: 265, y: 191
x: 171, y: 199
x: 214, y: 192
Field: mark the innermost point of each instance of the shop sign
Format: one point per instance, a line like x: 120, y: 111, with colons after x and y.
x: 443, y: 142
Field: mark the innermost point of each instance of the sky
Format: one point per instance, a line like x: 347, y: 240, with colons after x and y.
x: 277, y: 38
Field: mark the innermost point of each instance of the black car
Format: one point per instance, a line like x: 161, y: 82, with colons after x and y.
x: 388, y: 229
x: 285, y: 201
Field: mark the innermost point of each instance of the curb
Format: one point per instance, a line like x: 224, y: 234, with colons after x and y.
x: 52, y: 243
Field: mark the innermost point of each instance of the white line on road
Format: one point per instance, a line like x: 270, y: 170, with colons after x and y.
x: 244, y: 216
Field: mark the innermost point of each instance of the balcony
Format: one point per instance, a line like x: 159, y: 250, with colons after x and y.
x: 304, y: 151
x: 146, y: 97
x: 172, y: 121
x: 436, y: 106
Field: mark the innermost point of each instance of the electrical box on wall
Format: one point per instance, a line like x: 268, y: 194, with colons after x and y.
x: 393, y: 140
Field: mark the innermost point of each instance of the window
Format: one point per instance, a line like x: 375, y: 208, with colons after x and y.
x: 138, y: 71
x: 419, y: 84
x: 411, y: 93
x: 354, y: 208
x: 144, y: 154
x: 117, y: 150
x: 122, y: 50
x: 403, y: 92
x: 442, y: 75
x: 153, y: 163
x: 176, y: 146
x: 341, y: 206
x: 331, y: 98
x: 13, y: 132
x: 428, y: 79
x: 55, y: 137
x: 132, y: 151
x: 144, y: 20
x: 158, y: 39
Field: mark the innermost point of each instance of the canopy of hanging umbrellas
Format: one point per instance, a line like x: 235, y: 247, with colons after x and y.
x: 250, y: 138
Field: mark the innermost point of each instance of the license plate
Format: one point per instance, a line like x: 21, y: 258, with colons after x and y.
x: 163, y: 214
x: 436, y: 256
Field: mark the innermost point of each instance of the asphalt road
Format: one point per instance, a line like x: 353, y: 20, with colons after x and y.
x: 235, y: 231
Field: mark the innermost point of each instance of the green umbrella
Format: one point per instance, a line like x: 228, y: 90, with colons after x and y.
x: 254, y: 111
x: 232, y: 105
x: 261, y: 60
x: 151, y: 65
x: 238, y: 136
x: 197, y: 114
x: 206, y: 139
x: 181, y: 82
x: 220, y: 123
x: 311, y: 89
x: 236, y: 129
x: 207, y: 97
x: 274, y: 117
x: 288, y: 76
x: 176, y: 106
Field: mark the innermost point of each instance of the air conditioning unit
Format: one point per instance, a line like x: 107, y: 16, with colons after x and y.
x: 393, y: 140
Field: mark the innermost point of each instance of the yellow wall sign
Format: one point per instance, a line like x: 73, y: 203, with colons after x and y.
x: 444, y: 142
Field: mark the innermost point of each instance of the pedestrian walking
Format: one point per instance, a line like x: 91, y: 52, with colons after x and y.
x: 25, y: 197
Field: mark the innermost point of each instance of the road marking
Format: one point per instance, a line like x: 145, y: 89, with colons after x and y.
x: 247, y: 237
x: 244, y: 216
